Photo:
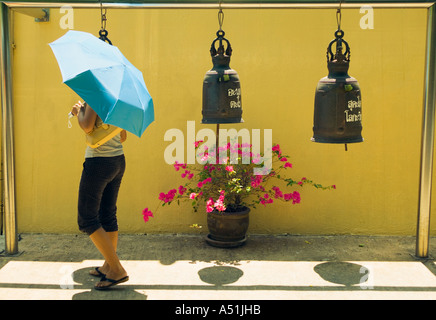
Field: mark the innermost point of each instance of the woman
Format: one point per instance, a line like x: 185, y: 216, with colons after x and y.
x: 103, y: 170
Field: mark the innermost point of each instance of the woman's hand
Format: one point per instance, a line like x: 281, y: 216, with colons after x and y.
x: 76, y: 108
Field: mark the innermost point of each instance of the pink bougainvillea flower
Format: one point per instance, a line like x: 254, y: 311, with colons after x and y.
x: 197, y: 143
x: 178, y: 165
x: 276, y: 148
x: 219, y: 205
x: 221, y: 197
x: 170, y: 195
x: 204, y: 157
x: 283, y: 159
x: 294, y: 196
x: 229, y: 168
x: 200, y: 184
x: 224, y: 161
x: 288, y: 165
x: 187, y: 174
x: 146, y: 214
x: 194, y: 195
x: 256, y: 158
x: 256, y: 181
x: 287, y: 196
x: 278, y: 192
x: 182, y: 190
x: 167, y: 197
x: 209, y: 205
x: 266, y: 199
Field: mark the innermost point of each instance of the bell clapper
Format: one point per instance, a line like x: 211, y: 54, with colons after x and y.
x: 217, y: 136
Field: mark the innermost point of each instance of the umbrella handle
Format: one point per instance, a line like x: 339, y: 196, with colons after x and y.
x: 70, y: 115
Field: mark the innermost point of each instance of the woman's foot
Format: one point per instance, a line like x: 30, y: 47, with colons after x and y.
x: 112, y: 279
x: 99, y: 271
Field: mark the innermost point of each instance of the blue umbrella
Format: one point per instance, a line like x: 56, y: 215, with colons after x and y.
x: 100, y: 74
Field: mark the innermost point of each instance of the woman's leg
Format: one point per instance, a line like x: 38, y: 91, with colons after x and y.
x: 113, y: 237
x: 108, y: 220
x: 96, y: 192
x: 108, y: 209
x: 103, y: 243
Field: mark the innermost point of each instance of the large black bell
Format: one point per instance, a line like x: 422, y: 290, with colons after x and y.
x: 338, y: 104
x: 221, y: 87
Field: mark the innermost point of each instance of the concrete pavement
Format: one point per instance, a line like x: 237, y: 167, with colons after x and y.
x: 184, y: 267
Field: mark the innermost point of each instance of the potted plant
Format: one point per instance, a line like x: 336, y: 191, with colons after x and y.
x: 230, y: 188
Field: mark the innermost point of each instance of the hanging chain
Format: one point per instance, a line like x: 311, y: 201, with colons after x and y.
x: 220, y: 16
x: 103, y: 32
x: 103, y: 16
x: 339, y: 15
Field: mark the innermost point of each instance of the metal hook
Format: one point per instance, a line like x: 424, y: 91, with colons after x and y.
x: 103, y: 16
x: 220, y: 15
x: 103, y: 32
x: 339, y: 15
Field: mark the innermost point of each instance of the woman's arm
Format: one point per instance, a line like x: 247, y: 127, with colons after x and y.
x: 123, y: 136
x: 85, y: 115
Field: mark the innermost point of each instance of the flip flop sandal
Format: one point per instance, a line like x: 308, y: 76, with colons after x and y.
x: 111, y: 284
x: 99, y: 273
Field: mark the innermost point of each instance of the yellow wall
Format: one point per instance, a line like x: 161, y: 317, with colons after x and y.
x: 279, y: 56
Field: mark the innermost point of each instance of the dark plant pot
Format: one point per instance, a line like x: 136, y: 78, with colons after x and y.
x: 227, y: 229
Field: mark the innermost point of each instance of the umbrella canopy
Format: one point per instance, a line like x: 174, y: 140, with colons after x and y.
x: 100, y: 74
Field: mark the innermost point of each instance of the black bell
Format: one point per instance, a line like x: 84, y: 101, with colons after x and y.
x: 221, y: 87
x: 338, y: 104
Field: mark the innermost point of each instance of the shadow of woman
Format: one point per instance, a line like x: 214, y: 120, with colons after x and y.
x: 119, y: 292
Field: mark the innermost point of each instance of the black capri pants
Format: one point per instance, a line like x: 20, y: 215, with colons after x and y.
x: 98, y: 193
